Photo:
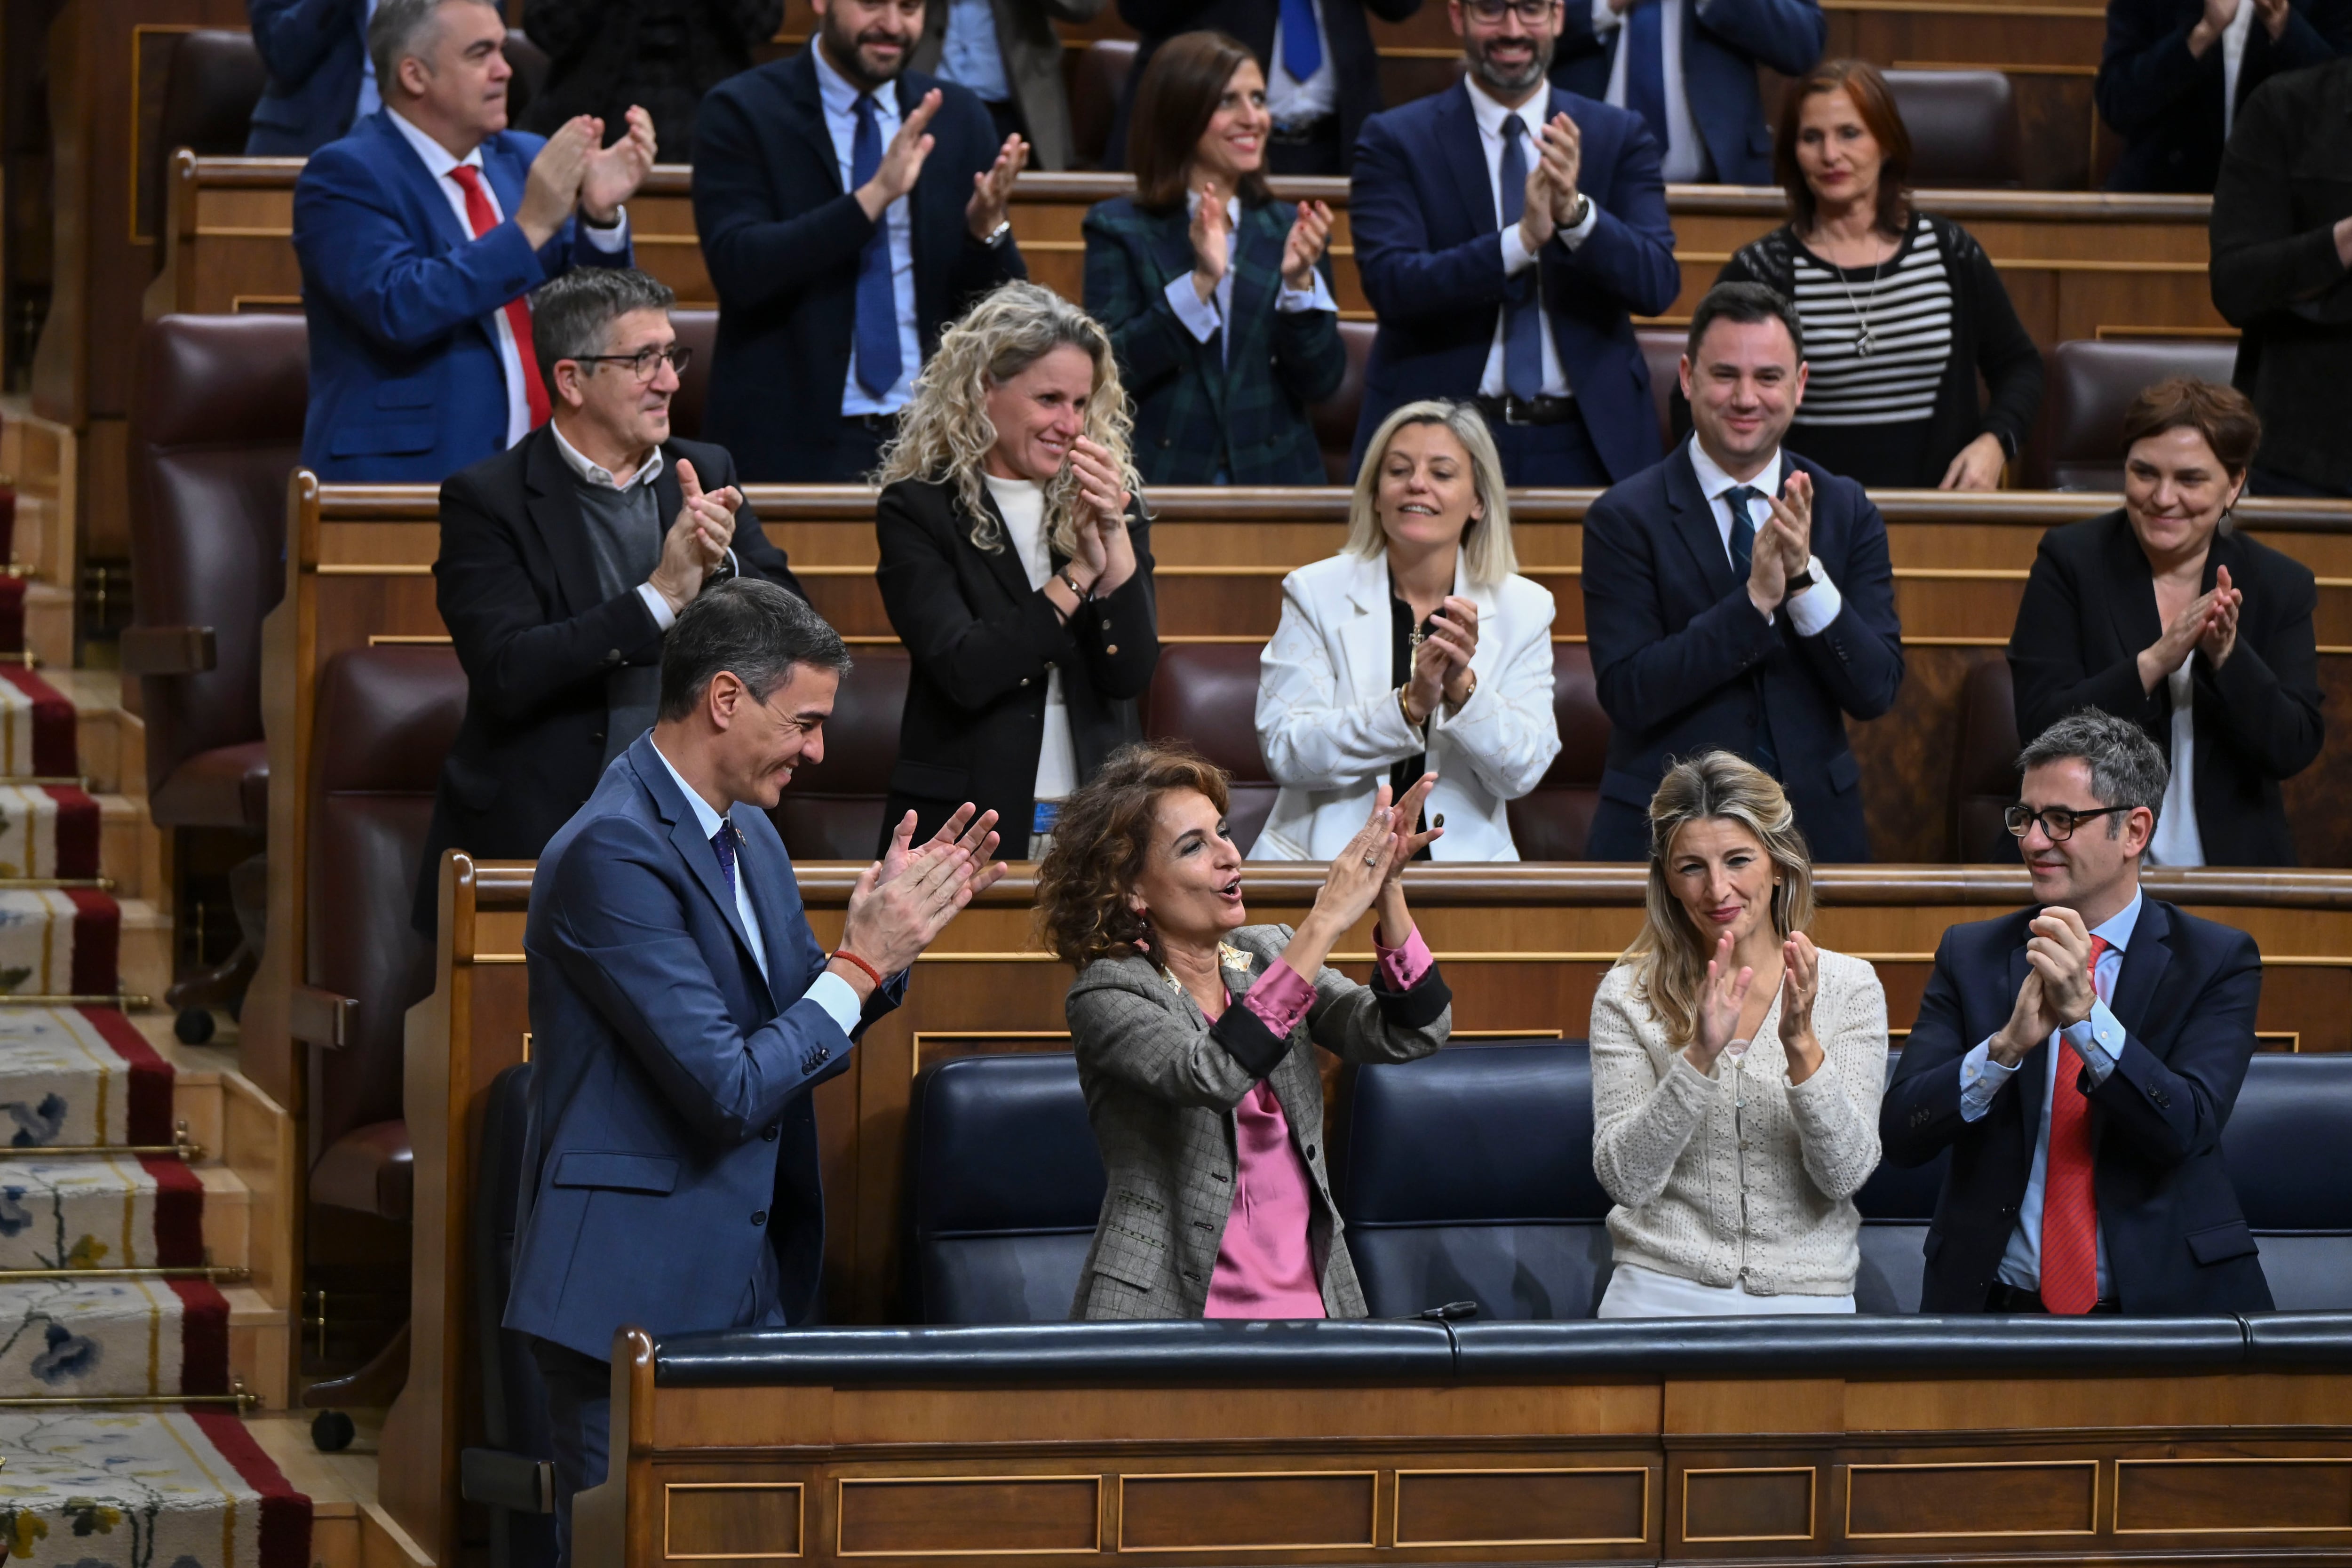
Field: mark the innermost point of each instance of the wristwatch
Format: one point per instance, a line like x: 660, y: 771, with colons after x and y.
x: 1583, y: 211
x: 999, y: 235
x: 1801, y: 581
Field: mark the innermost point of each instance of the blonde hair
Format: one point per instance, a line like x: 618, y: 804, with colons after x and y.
x: 1669, y: 958
x: 945, y: 436
x: 1486, y: 554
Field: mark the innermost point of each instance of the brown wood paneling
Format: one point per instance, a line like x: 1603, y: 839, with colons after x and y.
x: 731, y: 1520
x: 1750, y: 1503
x: 1245, y: 1510
x: 1522, y: 1507
x: 2213, y: 1495
x: 929, y: 1515
x: 1904, y: 1501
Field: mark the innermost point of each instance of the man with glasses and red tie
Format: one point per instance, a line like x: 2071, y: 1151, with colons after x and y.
x: 2079, y: 1058
x: 564, y: 560
x: 1688, y: 68
x: 420, y: 233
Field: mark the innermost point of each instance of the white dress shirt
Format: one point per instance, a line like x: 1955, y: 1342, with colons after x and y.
x: 1023, y: 502
x: 1683, y: 160
x: 840, y: 100
x: 2233, y: 61
x: 2177, y: 841
x: 1516, y: 257
x: 829, y: 991
x: 437, y: 163
x: 1295, y: 102
x: 2098, y: 1041
x: 1813, y: 609
x: 1204, y: 317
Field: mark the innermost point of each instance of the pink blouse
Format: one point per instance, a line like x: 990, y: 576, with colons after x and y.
x: 1264, y: 1267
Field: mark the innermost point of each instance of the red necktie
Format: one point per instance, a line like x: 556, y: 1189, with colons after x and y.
x: 2070, y: 1207
x: 482, y: 219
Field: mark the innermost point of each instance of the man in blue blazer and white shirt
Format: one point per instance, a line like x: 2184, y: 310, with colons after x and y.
x: 683, y: 1011
x: 2079, y: 1058
x: 420, y: 233
x: 1505, y: 232
x: 849, y: 209
x: 1688, y: 68
x: 1738, y: 597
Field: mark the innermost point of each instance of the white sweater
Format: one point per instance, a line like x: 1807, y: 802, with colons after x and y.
x: 1737, y: 1176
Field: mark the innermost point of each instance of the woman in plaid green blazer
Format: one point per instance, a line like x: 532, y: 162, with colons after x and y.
x: 1224, y: 328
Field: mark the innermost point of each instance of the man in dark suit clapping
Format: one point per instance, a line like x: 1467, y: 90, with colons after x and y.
x: 564, y: 559
x: 849, y: 210
x: 1738, y: 597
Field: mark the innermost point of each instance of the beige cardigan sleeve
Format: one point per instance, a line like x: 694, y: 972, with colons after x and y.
x: 1836, y: 1109
x: 1641, y: 1121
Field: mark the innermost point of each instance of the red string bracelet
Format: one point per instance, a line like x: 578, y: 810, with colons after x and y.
x: 846, y: 955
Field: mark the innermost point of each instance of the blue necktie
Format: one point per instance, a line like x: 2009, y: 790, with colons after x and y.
x: 877, y: 302
x: 1522, y: 321
x: 1743, y: 526
x: 1302, y: 50
x: 1645, y: 66
x: 722, y: 843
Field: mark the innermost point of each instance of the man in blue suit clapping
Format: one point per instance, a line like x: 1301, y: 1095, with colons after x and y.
x: 420, y: 233
x: 683, y: 1011
x: 1688, y: 68
x: 1504, y: 231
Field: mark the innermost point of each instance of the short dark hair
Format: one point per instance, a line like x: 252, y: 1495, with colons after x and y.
x: 393, y: 30
x: 572, y: 316
x: 1173, y: 105
x: 2126, y: 768
x: 1875, y: 106
x: 1745, y: 304
x: 751, y: 629
x: 2223, y: 415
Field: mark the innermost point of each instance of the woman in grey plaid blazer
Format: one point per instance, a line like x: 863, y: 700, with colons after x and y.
x: 1196, y: 1035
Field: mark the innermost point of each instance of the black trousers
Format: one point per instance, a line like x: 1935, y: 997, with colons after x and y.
x: 579, y: 1419
x: 1561, y: 454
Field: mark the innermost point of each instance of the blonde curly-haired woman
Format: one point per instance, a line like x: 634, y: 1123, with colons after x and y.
x: 1737, y: 1068
x: 1016, y: 567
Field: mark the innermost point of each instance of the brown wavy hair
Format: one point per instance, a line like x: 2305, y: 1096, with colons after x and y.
x: 1173, y: 105
x: 1859, y: 80
x: 1100, y: 842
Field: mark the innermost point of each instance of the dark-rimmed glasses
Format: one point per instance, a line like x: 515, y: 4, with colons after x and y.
x: 2056, y: 821
x: 1531, y: 12
x: 645, y: 364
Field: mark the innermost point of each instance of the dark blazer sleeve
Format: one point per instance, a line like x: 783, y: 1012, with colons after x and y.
x: 1630, y: 254
x: 1151, y: 342
x: 2264, y: 261
x: 2267, y: 693
x: 1311, y: 360
x: 1787, y: 34
x: 489, y: 599
x: 1118, y: 634
x: 2006, y: 355
x: 1858, y: 655
x: 1644, y: 671
x: 2045, y: 658
x: 1161, y: 18
x: 1920, y: 1114
x: 2145, y: 65
x: 294, y: 36
x: 1404, y: 278
x: 974, y: 660
x: 756, y: 555
x: 2171, y: 1108
x: 561, y: 26
x: 756, y: 254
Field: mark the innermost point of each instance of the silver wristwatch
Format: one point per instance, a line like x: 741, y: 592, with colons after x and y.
x: 999, y: 235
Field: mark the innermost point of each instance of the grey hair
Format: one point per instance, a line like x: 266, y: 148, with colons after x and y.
x: 393, y: 31
x: 2126, y: 768
x: 750, y: 628
x: 572, y: 316
x: 1486, y: 554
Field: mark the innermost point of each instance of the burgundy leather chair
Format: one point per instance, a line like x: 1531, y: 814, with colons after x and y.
x: 833, y: 810
x: 1552, y: 821
x: 1334, y: 417
x: 1206, y: 694
x: 1984, y: 765
x: 1662, y: 350
x: 213, y: 80
x: 698, y: 331
x: 1963, y: 126
x: 1096, y: 83
x: 2079, y: 445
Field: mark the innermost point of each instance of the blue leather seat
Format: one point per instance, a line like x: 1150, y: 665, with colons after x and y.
x: 1467, y: 1176
x: 2288, y: 1145
x: 1004, y: 1187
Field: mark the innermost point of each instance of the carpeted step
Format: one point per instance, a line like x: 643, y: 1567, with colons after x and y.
x: 114, y: 1339
x: 102, y: 1211
x: 48, y: 830
x: 58, y: 942
x: 175, y: 1491
x: 81, y: 1076
x: 37, y: 727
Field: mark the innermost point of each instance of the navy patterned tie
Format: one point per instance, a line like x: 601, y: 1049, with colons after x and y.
x: 722, y: 843
x: 1522, y: 321
x: 1743, y: 526
x: 877, y: 298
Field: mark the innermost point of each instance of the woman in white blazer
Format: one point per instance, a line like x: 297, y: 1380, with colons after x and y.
x: 1418, y: 641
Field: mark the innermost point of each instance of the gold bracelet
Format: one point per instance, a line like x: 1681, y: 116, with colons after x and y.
x: 1405, y: 707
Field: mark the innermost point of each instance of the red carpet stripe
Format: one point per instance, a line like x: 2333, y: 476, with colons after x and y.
x: 76, y: 831
x: 12, y: 614
x: 149, y: 1116
x: 98, y: 937
x: 285, y: 1534
x: 179, y: 1212
x: 54, y: 751
x: 204, y: 1337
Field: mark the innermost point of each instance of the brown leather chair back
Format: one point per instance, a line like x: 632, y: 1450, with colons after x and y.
x: 1552, y: 821
x: 531, y: 67
x: 1095, y: 86
x: 1963, y: 127
x: 386, y: 718
x: 1662, y: 350
x: 1405, y: 78
x: 833, y: 810
x: 697, y: 330
x: 213, y: 80
x: 1334, y: 417
x: 1984, y: 764
x: 2079, y: 443
x: 216, y: 429
x: 1206, y: 694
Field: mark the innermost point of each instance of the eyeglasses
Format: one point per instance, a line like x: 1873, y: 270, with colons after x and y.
x: 1530, y: 12
x: 646, y: 363
x: 2056, y: 821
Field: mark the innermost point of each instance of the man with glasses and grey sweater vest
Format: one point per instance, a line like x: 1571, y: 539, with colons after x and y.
x: 563, y: 560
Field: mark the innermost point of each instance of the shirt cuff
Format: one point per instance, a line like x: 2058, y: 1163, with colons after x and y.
x: 1517, y: 256
x: 1403, y: 967
x: 1316, y: 297
x: 1605, y: 17
x: 1280, y: 998
x: 1199, y: 316
x: 1572, y: 237
x: 611, y: 241
x: 1981, y: 1079
x: 1814, y: 609
x: 2098, y: 1041
x: 838, y: 998
x: 664, y: 616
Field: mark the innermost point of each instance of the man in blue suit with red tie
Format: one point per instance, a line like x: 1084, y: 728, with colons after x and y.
x: 420, y: 233
x: 1506, y: 233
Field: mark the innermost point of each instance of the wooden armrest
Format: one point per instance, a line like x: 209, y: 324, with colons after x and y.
x: 168, y: 650
x: 321, y: 1017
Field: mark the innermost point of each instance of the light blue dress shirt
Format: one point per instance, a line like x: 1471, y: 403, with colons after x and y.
x: 371, y: 96
x: 972, y: 57
x: 1204, y: 317
x: 2099, y: 1041
x: 840, y: 100
x: 830, y: 991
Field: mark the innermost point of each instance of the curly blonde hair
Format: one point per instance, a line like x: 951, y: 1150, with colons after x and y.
x: 1100, y: 840
x: 1669, y: 958
x: 945, y: 435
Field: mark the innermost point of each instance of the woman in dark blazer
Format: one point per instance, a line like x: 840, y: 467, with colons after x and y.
x: 1901, y: 310
x: 1016, y: 567
x: 2161, y: 613
x: 1224, y: 328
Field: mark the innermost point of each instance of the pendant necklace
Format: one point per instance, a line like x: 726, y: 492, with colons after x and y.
x: 1866, y: 342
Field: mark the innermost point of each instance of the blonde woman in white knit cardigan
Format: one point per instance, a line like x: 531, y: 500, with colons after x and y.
x: 1737, y: 1068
